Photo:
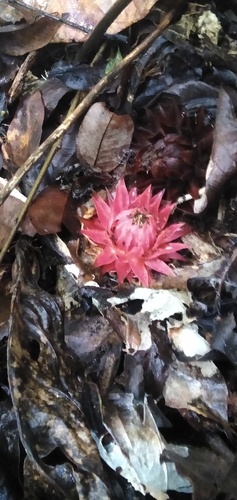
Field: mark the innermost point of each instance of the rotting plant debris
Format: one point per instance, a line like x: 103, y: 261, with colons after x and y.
x: 118, y: 262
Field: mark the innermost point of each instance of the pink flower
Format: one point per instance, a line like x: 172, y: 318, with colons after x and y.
x: 132, y: 232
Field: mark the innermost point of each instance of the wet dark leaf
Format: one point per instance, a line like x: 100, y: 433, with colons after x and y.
x: 194, y: 94
x: 45, y: 394
x: 97, y: 348
x: 209, y: 480
x: 8, y: 68
x: 3, y: 106
x: 10, y: 453
x: 52, y: 91
x: 82, y: 77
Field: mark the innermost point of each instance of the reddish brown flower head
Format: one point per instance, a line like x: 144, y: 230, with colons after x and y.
x: 132, y: 232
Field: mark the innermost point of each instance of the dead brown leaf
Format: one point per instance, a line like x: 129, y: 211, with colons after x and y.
x: 31, y: 37
x: 46, y: 211
x: 103, y: 138
x: 9, y: 211
x: 24, y: 132
x: 222, y: 165
x: 86, y: 13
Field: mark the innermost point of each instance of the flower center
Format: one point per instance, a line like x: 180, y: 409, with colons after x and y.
x: 139, y: 218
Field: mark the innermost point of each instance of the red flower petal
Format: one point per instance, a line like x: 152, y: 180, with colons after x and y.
x: 143, y: 200
x: 170, y: 233
x: 98, y: 236
x: 107, y: 256
x: 131, y: 230
x: 155, y: 203
x: 103, y: 212
x: 140, y: 271
x: 168, y: 249
x: 121, y: 199
x: 122, y: 269
x: 160, y: 266
x: 163, y: 215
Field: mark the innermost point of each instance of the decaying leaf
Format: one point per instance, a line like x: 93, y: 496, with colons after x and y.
x: 46, y: 211
x: 25, y: 130
x: 135, y: 327
x: 10, y: 450
x: 48, y: 409
x: 210, y: 472
x: 104, y: 138
x: 33, y: 36
x: 9, y: 211
x: 222, y: 164
x: 83, y: 13
x: 188, y: 382
x: 133, y: 446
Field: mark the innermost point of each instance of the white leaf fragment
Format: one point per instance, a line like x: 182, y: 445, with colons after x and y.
x: 160, y: 305
x: 197, y: 380
x: 135, y: 448
x: 187, y: 340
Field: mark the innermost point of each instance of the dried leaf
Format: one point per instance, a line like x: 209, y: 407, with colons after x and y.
x: 103, y: 138
x: 46, y: 211
x: 86, y: 13
x: 9, y: 211
x: 25, y: 130
x: 222, y: 165
x: 31, y: 37
x: 133, y: 446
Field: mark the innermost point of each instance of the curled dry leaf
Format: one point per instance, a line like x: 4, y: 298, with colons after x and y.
x: 24, y: 132
x: 223, y: 162
x: 103, y: 138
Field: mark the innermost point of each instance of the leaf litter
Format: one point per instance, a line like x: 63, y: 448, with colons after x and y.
x: 110, y: 388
